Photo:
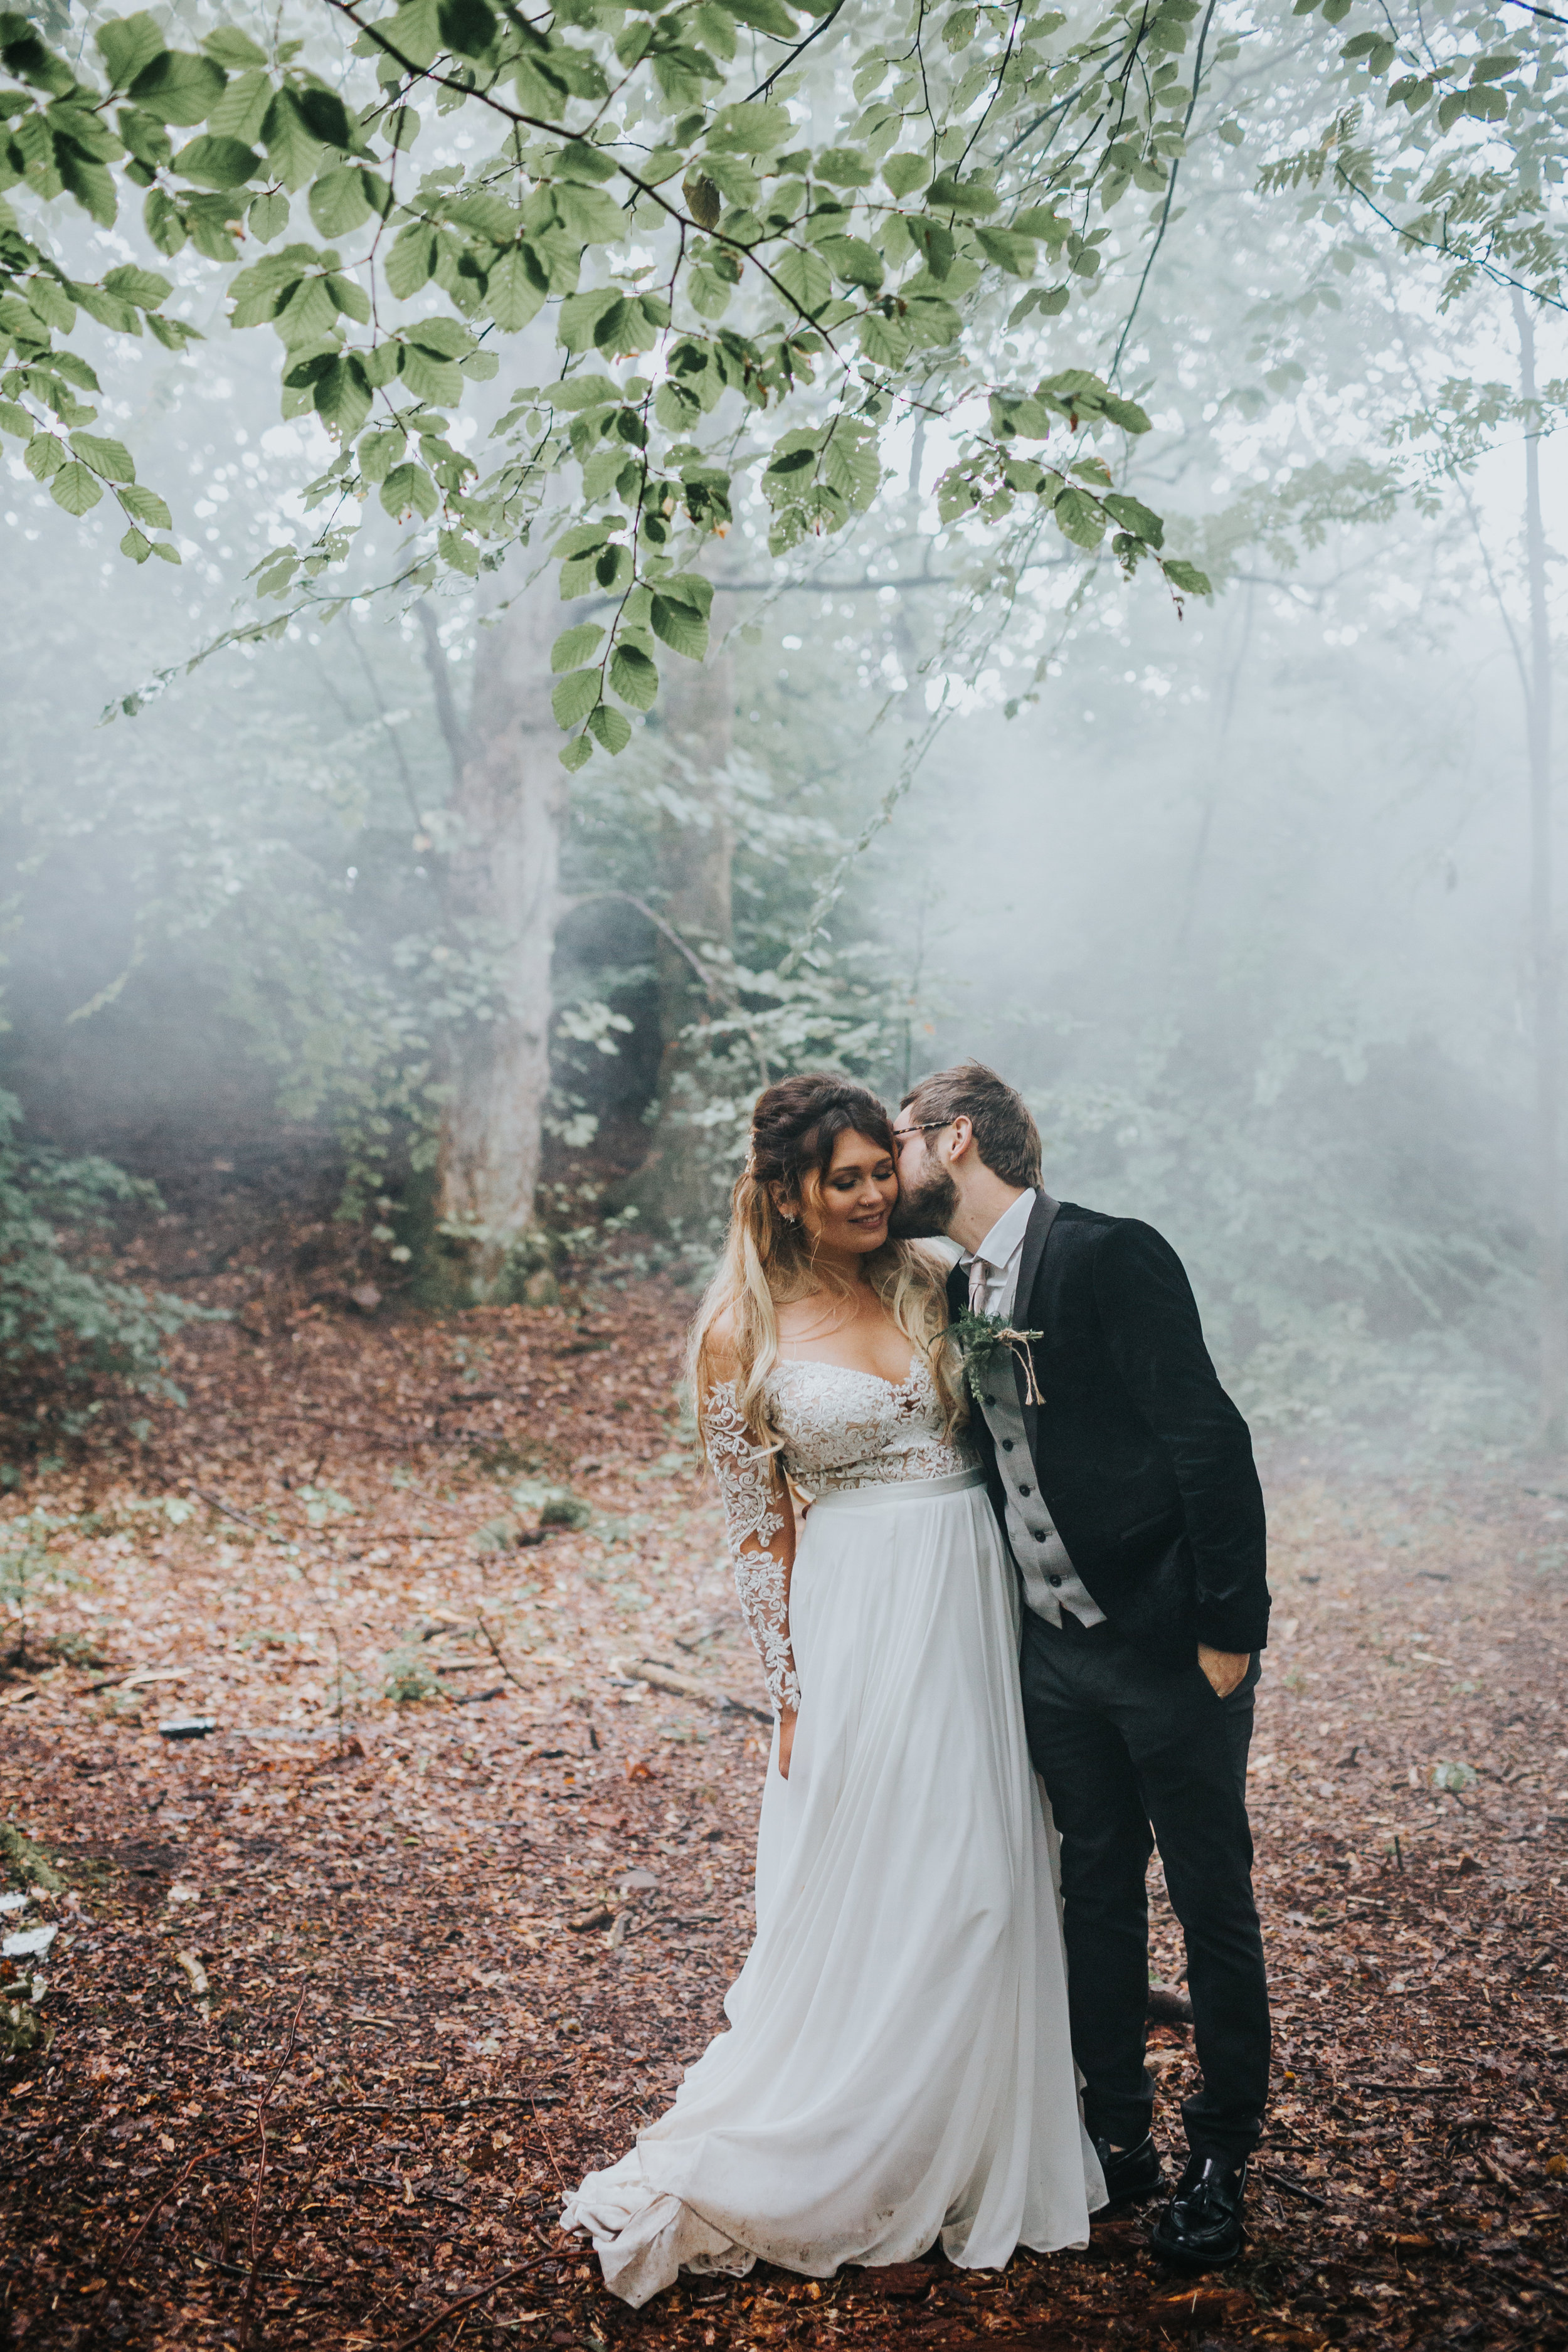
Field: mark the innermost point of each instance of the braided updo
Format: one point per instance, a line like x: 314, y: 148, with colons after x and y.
x: 768, y: 1254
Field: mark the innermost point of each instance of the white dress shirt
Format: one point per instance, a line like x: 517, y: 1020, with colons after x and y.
x: 1050, y: 1582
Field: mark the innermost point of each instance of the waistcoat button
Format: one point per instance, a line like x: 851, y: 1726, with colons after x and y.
x: 1025, y: 1490
x: 1053, y: 1580
x: 1006, y: 1445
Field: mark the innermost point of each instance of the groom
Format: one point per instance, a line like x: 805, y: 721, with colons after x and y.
x: 1133, y: 1511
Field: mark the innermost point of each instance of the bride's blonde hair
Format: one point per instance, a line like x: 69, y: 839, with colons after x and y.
x: 768, y: 1260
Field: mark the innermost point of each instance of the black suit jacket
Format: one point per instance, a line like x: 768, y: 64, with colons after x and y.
x: 1141, y: 1458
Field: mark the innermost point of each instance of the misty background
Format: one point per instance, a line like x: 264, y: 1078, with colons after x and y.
x: 1238, y: 894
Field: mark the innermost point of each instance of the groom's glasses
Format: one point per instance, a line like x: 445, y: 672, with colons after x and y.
x: 925, y: 1127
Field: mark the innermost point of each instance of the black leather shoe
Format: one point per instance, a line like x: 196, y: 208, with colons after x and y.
x: 1130, y: 2173
x: 1201, y: 2227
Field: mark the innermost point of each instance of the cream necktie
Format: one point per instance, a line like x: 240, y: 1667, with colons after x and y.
x: 979, y: 1281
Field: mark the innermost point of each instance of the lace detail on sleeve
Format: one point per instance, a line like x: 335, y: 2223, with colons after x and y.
x: 748, y: 1483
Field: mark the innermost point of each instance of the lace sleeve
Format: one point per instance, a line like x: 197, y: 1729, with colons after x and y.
x: 756, y: 1512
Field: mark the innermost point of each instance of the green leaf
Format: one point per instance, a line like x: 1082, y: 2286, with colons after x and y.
x: 111, y: 458
x: 575, y: 646
x: 161, y: 547
x: 143, y: 287
x: 178, y: 87
x: 230, y: 48
x: 146, y: 506
x: 429, y: 378
x: 408, y: 489
x: 75, y: 487
x: 415, y: 32
x: 884, y: 341
x: 751, y: 129
x: 853, y: 261
x: 468, y: 27
x: 444, y: 337
x: 577, y: 328
x: 591, y: 216
x: 948, y: 193
x: 326, y: 117
x: 217, y: 163
x: 576, y: 754
x: 412, y: 259
x: 612, y: 726
x: 1125, y: 413
x: 44, y: 456
x: 804, y: 275
x: 633, y: 677
x: 344, y: 396
x: 1133, y: 515
x: 269, y: 216
x: 127, y: 44
x: 684, y: 631
x: 1187, y: 577
x: 904, y: 172
x: 843, y: 167
x: 289, y: 141
x: 242, y: 110
x: 136, y: 545
x: 15, y: 419
x: 338, y: 200
x: 1080, y: 518
x: 1015, y: 254
x: 307, y: 314
x: 764, y: 16
x: 574, y: 696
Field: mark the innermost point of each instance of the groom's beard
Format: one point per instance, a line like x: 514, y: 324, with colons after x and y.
x: 923, y: 1210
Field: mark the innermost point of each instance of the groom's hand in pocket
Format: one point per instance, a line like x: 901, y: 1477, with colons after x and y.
x: 1226, y: 1669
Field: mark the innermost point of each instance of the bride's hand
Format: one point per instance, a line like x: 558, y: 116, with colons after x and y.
x: 786, y: 1741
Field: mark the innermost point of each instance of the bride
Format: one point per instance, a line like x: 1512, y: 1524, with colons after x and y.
x: 897, y: 2068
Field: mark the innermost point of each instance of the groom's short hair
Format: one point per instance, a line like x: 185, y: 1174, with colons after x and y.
x: 1006, y: 1135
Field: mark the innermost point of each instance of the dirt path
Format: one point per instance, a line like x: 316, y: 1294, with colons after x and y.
x: 342, y: 1993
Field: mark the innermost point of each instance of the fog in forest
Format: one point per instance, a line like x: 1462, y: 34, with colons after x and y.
x: 1238, y: 889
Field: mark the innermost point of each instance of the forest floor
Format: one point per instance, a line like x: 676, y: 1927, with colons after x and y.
x: 342, y: 1994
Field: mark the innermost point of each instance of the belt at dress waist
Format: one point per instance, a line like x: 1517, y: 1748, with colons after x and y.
x: 876, y: 1496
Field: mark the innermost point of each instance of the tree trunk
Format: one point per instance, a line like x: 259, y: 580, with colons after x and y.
x: 697, y: 854
x: 1543, y: 943
x: 511, y: 801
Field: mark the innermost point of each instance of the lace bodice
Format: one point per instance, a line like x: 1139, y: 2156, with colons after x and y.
x: 841, y: 1429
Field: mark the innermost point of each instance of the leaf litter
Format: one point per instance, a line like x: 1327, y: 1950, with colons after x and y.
x: 344, y: 1993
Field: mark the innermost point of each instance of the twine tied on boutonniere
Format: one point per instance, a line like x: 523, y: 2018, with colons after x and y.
x: 980, y: 1337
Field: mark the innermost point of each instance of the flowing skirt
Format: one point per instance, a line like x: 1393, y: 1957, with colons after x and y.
x: 897, y: 2067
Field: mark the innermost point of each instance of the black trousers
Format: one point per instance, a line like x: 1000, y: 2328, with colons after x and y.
x: 1133, y: 1755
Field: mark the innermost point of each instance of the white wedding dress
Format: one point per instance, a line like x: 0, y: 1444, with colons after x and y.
x: 898, y: 2065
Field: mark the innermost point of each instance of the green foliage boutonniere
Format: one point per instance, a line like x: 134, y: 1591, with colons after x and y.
x: 979, y: 1338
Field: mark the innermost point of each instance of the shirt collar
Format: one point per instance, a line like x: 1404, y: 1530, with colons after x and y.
x: 1005, y: 1238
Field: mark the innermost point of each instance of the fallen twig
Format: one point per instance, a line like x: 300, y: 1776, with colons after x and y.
x: 642, y: 1670
x: 1293, y: 2188
x: 248, y: 2308
x: 465, y: 2301
x: 217, y: 1502
x: 495, y: 1652
x: 227, y: 2148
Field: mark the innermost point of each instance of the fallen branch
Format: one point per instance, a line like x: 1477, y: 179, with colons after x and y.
x: 248, y: 2308
x: 217, y: 1502
x: 1293, y: 2188
x: 478, y: 2294
x: 688, y: 1686
x: 495, y: 1652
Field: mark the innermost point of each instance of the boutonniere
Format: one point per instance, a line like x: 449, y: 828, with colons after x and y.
x: 980, y: 1337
